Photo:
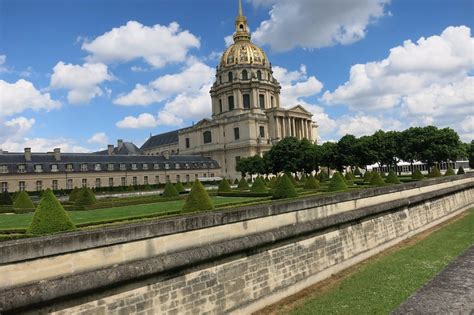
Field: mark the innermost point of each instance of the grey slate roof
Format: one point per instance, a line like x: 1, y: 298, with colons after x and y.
x: 166, y: 138
x: 127, y: 148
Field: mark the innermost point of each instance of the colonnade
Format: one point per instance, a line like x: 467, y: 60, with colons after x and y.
x: 294, y: 127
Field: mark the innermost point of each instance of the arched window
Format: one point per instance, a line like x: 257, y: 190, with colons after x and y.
x: 231, y: 76
x: 207, y: 137
x: 259, y: 75
x: 245, y: 75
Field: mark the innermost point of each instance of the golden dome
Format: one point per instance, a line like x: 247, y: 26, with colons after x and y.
x: 244, y: 53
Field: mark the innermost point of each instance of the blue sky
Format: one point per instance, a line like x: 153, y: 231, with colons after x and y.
x: 80, y: 74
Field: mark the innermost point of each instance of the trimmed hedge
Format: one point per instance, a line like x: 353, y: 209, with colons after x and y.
x: 198, y: 199
x: 322, y: 176
x: 243, y: 184
x: 258, y: 186
x: 311, y: 183
x: 50, y: 217
x: 244, y: 194
x: 392, y: 178
x: 349, y: 176
x: 74, y: 194
x: 170, y: 191
x: 179, y: 187
x: 376, y: 179
x: 449, y: 172
x: 461, y: 170
x: 224, y: 186
x: 434, y: 172
x: 337, y: 183
x: 367, y: 176
x: 6, y: 209
x: 85, y: 197
x: 284, y: 188
x: 23, y: 201
x: 6, y: 199
x: 417, y: 175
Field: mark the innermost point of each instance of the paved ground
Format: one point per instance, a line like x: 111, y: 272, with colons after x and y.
x: 450, y: 292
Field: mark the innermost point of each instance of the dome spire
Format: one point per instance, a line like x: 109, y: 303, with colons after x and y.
x: 241, y: 31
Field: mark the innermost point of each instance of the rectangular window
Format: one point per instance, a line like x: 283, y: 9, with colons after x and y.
x: 230, y: 100
x: 145, y: 166
x: 177, y: 166
x: 123, y: 181
x: 261, y: 101
x: 196, y: 176
x: 84, y: 182
x: 271, y: 101
x: 187, y: 143
x: 236, y: 133
x: 246, y: 98
x: 110, y: 167
x: 22, y: 168
x: 220, y: 106
x: 55, y: 184
x: 145, y: 180
x: 187, y: 178
x: 178, y: 178
x: 134, y: 166
x: 111, y: 182
x: 4, y: 186
x: 83, y: 167
x: 212, y: 174
x: 69, y: 184
x: 167, y: 166
x: 97, y: 167
x: 167, y: 178
x: 262, y: 131
x: 98, y: 183
x: 237, y: 159
x: 69, y: 167
x: 38, y: 168
x: 123, y: 167
x: 135, y: 181
x: 3, y: 169
x: 207, y: 137
x: 39, y: 185
x: 54, y: 168
x: 157, y: 179
x: 156, y: 166
x: 22, y: 186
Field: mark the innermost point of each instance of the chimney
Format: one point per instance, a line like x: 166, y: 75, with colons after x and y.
x: 57, y: 154
x: 28, y: 154
x: 110, y: 149
x: 119, y: 143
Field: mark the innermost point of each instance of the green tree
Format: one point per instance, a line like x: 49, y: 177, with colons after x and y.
x: 347, y: 148
x: 434, y: 172
x: 198, y: 199
x: 285, y: 156
x: 330, y: 156
x: 310, y: 157
x: 5, y: 199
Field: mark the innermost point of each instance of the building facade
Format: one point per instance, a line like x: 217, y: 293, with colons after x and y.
x: 247, y: 117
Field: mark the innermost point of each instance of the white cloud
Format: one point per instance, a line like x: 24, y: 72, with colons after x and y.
x: 228, y: 40
x: 15, y: 128
x: 316, y: 24
x: 361, y: 125
x: 22, y: 95
x: 81, y: 81
x: 158, y: 45
x: 98, y: 138
x: 144, y: 120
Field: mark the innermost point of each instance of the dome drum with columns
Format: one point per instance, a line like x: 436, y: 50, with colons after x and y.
x: 247, y: 118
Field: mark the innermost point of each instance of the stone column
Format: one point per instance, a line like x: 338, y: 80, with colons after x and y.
x: 255, y: 99
x: 293, y: 126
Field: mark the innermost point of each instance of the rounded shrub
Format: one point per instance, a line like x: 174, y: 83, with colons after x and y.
x: 170, y: 191
x: 243, y: 184
x: 23, y: 201
x: 461, y: 170
x: 5, y: 199
x: 367, y: 176
x: 449, y: 172
x: 258, y: 186
x: 50, y: 217
x: 417, y: 175
x: 179, y: 187
x: 311, y: 183
x: 392, y: 178
x: 434, y: 172
x: 337, y: 183
x: 376, y: 179
x: 74, y: 194
x: 198, y: 199
x: 224, y: 186
x: 284, y: 188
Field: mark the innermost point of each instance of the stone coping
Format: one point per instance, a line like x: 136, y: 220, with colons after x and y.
x: 31, y: 248
x: 41, y: 292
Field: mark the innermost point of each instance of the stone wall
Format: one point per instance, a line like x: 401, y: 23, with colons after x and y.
x: 229, y: 262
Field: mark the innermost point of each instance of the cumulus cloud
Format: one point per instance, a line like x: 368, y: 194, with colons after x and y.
x: 99, y: 138
x: 22, y: 95
x: 144, y: 120
x: 361, y: 125
x: 157, y: 45
x: 82, y: 81
x: 316, y: 24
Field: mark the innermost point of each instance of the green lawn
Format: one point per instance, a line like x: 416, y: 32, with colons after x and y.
x: 382, y: 285
x: 22, y: 221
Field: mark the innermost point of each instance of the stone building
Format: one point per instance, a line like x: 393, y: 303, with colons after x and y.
x: 247, y: 117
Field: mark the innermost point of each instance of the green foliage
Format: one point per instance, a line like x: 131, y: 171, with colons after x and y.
x: 461, y: 170
x: 367, y: 176
x: 84, y: 198
x: 284, y: 188
x: 292, y: 179
x: 258, y: 186
x: 198, y: 199
x: 130, y: 188
x: 434, y: 172
x: 337, y: 183
x: 303, y: 178
x: 236, y: 181
x: 357, y: 172
x: 74, y: 194
x: 322, y: 176
x: 392, y: 178
x: 5, y: 199
x: 286, y: 156
x: 349, y: 176
x: 179, y: 187
x: 243, y: 184
x: 23, y: 201
x: 50, y: 217
x: 449, y: 172
x: 311, y: 183
x: 273, y: 181
x: 170, y: 191
x: 417, y: 175
x: 376, y: 179
x: 224, y: 186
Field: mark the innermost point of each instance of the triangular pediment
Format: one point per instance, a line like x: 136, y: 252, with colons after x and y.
x: 202, y: 123
x: 299, y: 109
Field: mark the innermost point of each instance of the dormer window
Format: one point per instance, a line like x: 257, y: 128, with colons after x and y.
x: 69, y: 167
x: 38, y: 168
x: 134, y: 167
x: 84, y: 167
x: 144, y: 166
x: 110, y: 167
x: 97, y: 167
x: 3, y: 169
x: 167, y: 166
x: 156, y: 166
x: 122, y: 167
x: 176, y: 166
x: 54, y: 168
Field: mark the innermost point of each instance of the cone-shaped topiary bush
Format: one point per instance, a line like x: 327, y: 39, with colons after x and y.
x: 367, y: 176
x: 392, y: 178
x: 23, y: 201
x: 349, y: 176
x: 236, y: 181
x: 74, y: 194
x: 170, y: 191
x: 284, y: 188
x: 258, y: 186
x: 179, y: 187
x: 5, y: 199
x: 303, y: 178
x: 376, y: 179
x: 357, y: 172
x: 311, y: 183
x: 322, y: 176
x: 224, y: 186
x: 198, y: 199
x: 243, y: 185
x: 50, y: 217
x: 272, y: 183
x: 84, y: 198
x: 461, y: 170
x: 417, y: 175
x: 297, y: 179
x: 292, y: 179
x: 449, y: 172
x: 337, y: 182
x: 434, y: 172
